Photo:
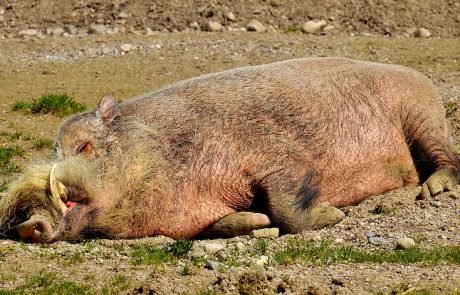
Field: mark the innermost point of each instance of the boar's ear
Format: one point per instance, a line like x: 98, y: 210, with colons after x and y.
x: 108, y: 109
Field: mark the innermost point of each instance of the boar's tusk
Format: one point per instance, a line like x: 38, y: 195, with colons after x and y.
x: 58, y: 190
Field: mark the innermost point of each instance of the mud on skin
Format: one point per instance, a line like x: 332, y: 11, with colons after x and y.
x: 291, y: 140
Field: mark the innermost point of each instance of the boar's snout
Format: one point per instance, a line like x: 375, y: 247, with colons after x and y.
x: 36, y: 230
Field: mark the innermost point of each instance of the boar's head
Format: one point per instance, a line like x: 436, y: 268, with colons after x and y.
x: 39, y: 208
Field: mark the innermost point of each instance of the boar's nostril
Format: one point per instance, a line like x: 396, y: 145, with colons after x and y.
x: 35, y: 231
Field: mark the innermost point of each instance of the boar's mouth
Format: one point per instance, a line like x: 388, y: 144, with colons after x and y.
x: 66, y: 198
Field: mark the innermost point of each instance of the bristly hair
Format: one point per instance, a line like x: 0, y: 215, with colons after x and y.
x: 308, y: 192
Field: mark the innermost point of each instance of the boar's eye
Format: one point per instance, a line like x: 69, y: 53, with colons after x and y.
x: 85, y: 149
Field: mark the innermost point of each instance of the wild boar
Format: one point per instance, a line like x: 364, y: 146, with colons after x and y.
x: 292, y: 140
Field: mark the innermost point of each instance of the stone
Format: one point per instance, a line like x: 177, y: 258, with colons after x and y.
x: 263, y: 260
x: 123, y: 15
x: 369, y: 234
x: 213, y: 26
x: 405, y: 243
x: 435, y: 204
x: 214, y: 265
x: 454, y: 195
x: 378, y: 241
x: 240, y: 246
x: 71, y: 29
x: 265, y: 233
x: 230, y: 16
x: 28, y: 32
x: 194, y: 25
x: 149, y: 31
x: 338, y: 241
x: 422, y: 33
x: 97, y: 29
x: 313, y: 26
x: 57, y: 32
x: 316, y: 238
x: 213, y: 248
x: 2, y: 18
x: 112, y: 31
x: 256, y: 26
x: 126, y: 47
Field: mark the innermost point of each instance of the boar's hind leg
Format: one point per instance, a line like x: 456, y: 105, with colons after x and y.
x: 236, y: 224
x: 289, y: 218
x: 432, y: 153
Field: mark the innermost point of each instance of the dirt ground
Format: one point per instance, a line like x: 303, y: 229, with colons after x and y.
x: 87, y: 66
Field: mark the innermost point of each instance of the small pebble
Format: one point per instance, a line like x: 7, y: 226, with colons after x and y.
x: 123, y: 15
x: 436, y: 204
x: 454, y: 195
x: 230, y: 16
x: 313, y: 26
x: 369, y: 234
x: 405, y: 243
x: 316, y: 238
x: 29, y: 32
x: 265, y: 233
x: 213, y: 26
x: 338, y: 241
x: 213, y: 248
x: 422, y: 33
x: 376, y: 241
x: 126, y: 47
x: 263, y: 260
x: 214, y: 265
x: 98, y: 29
x: 240, y: 246
x: 256, y: 26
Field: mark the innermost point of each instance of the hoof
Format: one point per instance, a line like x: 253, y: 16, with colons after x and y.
x: 322, y: 215
x: 438, y: 182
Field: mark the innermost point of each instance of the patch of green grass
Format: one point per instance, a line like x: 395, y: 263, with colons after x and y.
x: 66, y: 287
x: 7, y: 292
x: 180, y: 247
x: 6, y: 156
x: 76, y: 258
x: 15, y: 135
x: 152, y: 254
x: 3, y: 185
x: 261, y: 246
x: 185, y: 271
x: 198, y: 261
x: 59, y: 104
x: 118, y: 283
x: 20, y: 105
x: 292, y: 29
x: 299, y: 250
x: 48, y: 283
x: 42, y: 143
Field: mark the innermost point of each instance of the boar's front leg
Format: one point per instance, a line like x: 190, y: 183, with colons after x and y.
x: 236, y: 224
